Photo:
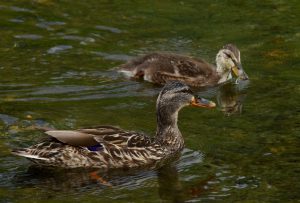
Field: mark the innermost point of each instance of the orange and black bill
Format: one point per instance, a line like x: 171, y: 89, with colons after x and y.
x: 201, y: 102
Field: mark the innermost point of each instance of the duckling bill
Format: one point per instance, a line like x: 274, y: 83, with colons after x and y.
x: 160, y: 68
x: 109, y: 147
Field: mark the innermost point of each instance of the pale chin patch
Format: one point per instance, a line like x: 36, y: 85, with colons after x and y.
x: 225, y: 77
x: 128, y: 74
x: 147, y: 78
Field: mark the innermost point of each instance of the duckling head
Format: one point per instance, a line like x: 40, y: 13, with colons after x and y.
x: 228, y: 62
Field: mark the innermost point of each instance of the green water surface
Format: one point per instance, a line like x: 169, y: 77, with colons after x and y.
x: 56, y: 60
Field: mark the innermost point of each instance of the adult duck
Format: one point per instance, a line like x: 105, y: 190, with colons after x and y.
x: 108, y: 147
x: 160, y: 68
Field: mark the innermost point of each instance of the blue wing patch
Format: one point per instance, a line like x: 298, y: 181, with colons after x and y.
x: 95, y: 148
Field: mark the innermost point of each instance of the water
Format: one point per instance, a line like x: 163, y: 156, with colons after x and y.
x: 55, y: 71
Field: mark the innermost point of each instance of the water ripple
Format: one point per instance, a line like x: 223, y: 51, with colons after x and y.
x: 29, y: 36
x: 114, y: 57
x: 15, y: 85
x: 8, y: 120
x: 59, y: 49
x: 19, y: 9
x: 61, y: 89
x: 106, y: 28
x: 16, y: 20
x: 83, y: 40
x: 49, y: 25
x: 81, y: 92
x: 189, y: 158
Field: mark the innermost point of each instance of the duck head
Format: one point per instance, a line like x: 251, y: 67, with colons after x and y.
x: 174, y: 96
x: 228, y: 62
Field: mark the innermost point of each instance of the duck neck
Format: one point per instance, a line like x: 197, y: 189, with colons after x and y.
x: 167, y: 132
x: 223, y: 73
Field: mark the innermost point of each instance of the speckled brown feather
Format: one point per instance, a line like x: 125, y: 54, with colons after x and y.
x: 119, y: 149
x: 108, y: 147
x: 162, y: 67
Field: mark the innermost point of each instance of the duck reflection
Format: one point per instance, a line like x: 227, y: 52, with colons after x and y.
x: 54, y: 179
x: 173, y: 190
x: 170, y: 187
x: 230, y: 98
x: 82, y: 179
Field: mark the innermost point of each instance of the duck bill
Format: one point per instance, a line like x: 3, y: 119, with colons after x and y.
x: 239, y: 72
x: 201, y: 102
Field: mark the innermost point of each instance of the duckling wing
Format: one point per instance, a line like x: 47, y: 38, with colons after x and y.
x: 197, y: 81
x: 163, y: 77
x: 194, y: 72
x: 190, y: 67
x: 169, y: 63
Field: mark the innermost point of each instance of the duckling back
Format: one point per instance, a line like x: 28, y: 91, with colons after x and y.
x: 160, y: 68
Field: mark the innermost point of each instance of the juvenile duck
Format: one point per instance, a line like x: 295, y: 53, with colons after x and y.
x: 160, y: 68
x: 108, y: 147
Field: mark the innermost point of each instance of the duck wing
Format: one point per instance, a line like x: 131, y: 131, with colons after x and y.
x: 101, y: 147
x: 107, y: 135
x: 74, y: 138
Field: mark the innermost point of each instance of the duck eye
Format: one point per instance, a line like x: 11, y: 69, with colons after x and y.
x: 189, y: 91
x: 228, y: 55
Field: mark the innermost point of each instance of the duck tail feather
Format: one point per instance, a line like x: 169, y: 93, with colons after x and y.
x: 25, y: 153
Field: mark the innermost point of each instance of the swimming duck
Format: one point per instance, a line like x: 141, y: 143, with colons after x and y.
x: 109, y: 147
x: 160, y: 68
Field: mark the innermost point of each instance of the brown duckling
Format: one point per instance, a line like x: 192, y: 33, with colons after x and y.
x: 160, y: 68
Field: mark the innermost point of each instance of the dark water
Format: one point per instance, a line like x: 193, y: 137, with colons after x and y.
x: 55, y: 70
